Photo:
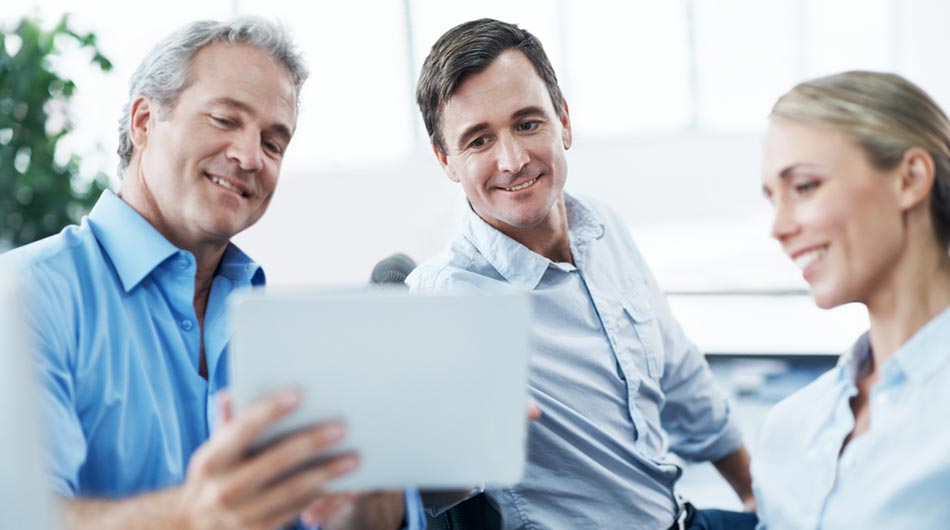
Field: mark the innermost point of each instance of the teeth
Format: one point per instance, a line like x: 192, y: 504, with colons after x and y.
x: 227, y: 185
x: 522, y: 186
x: 806, y: 259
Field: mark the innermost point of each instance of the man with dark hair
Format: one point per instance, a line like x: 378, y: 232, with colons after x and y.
x: 615, y: 376
x: 128, y: 308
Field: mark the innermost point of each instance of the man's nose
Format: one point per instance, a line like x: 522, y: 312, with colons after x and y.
x: 512, y: 155
x: 246, y: 150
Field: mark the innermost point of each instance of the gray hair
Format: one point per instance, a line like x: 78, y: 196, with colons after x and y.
x: 886, y: 115
x: 166, y: 70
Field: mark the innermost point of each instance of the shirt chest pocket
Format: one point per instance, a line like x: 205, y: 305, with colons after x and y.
x: 639, y: 313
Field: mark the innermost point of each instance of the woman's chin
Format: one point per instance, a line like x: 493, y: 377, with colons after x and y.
x: 825, y: 299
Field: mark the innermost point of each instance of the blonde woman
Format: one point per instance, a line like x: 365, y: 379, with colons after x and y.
x: 857, y: 169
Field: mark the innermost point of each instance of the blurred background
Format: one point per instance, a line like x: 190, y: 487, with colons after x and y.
x: 668, y: 101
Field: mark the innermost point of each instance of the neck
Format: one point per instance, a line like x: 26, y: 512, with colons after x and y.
x: 548, y: 238
x: 208, y: 253
x: 203, y: 279
x: 917, y: 291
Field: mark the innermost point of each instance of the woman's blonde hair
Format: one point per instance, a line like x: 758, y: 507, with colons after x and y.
x: 887, y: 115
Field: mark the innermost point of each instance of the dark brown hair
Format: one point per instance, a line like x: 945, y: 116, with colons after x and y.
x: 468, y: 49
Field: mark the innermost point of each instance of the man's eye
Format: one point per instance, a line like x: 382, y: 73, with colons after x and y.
x: 226, y: 122
x: 528, y: 125
x: 479, y: 142
x: 273, y: 147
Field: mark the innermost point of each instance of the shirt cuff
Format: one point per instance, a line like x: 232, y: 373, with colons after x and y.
x: 716, y: 447
x: 435, y: 511
x: 415, y: 514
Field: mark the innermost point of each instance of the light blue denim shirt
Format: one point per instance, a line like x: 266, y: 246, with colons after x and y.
x: 895, y: 475
x: 617, y: 380
x: 112, y: 314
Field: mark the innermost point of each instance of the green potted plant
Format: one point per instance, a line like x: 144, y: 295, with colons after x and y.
x: 38, y: 195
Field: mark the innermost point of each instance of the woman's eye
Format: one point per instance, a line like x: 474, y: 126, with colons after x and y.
x: 805, y: 187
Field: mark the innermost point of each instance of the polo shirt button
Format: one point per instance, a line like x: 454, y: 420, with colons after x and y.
x: 186, y: 325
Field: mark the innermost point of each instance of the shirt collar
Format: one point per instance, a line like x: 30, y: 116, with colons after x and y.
x: 132, y: 244
x: 852, y: 361
x: 926, y: 351
x: 918, y: 358
x: 584, y: 226
x: 517, y: 263
x: 136, y: 248
x: 240, y: 268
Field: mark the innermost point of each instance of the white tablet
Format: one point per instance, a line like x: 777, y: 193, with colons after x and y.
x: 432, y: 387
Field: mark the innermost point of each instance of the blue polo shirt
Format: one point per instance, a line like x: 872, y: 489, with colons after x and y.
x: 111, y: 308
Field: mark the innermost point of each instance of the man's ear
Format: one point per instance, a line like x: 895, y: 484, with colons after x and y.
x: 917, y: 175
x: 567, y: 136
x: 140, y: 120
x: 444, y: 162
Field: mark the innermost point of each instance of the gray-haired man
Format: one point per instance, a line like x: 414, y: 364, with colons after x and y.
x: 128, y: 308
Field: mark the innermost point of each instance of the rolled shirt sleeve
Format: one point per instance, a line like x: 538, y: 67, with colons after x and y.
x: 695, y: 415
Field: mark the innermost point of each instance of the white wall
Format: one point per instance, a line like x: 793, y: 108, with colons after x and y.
x: 669, y: 139
x: 332, y: 226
